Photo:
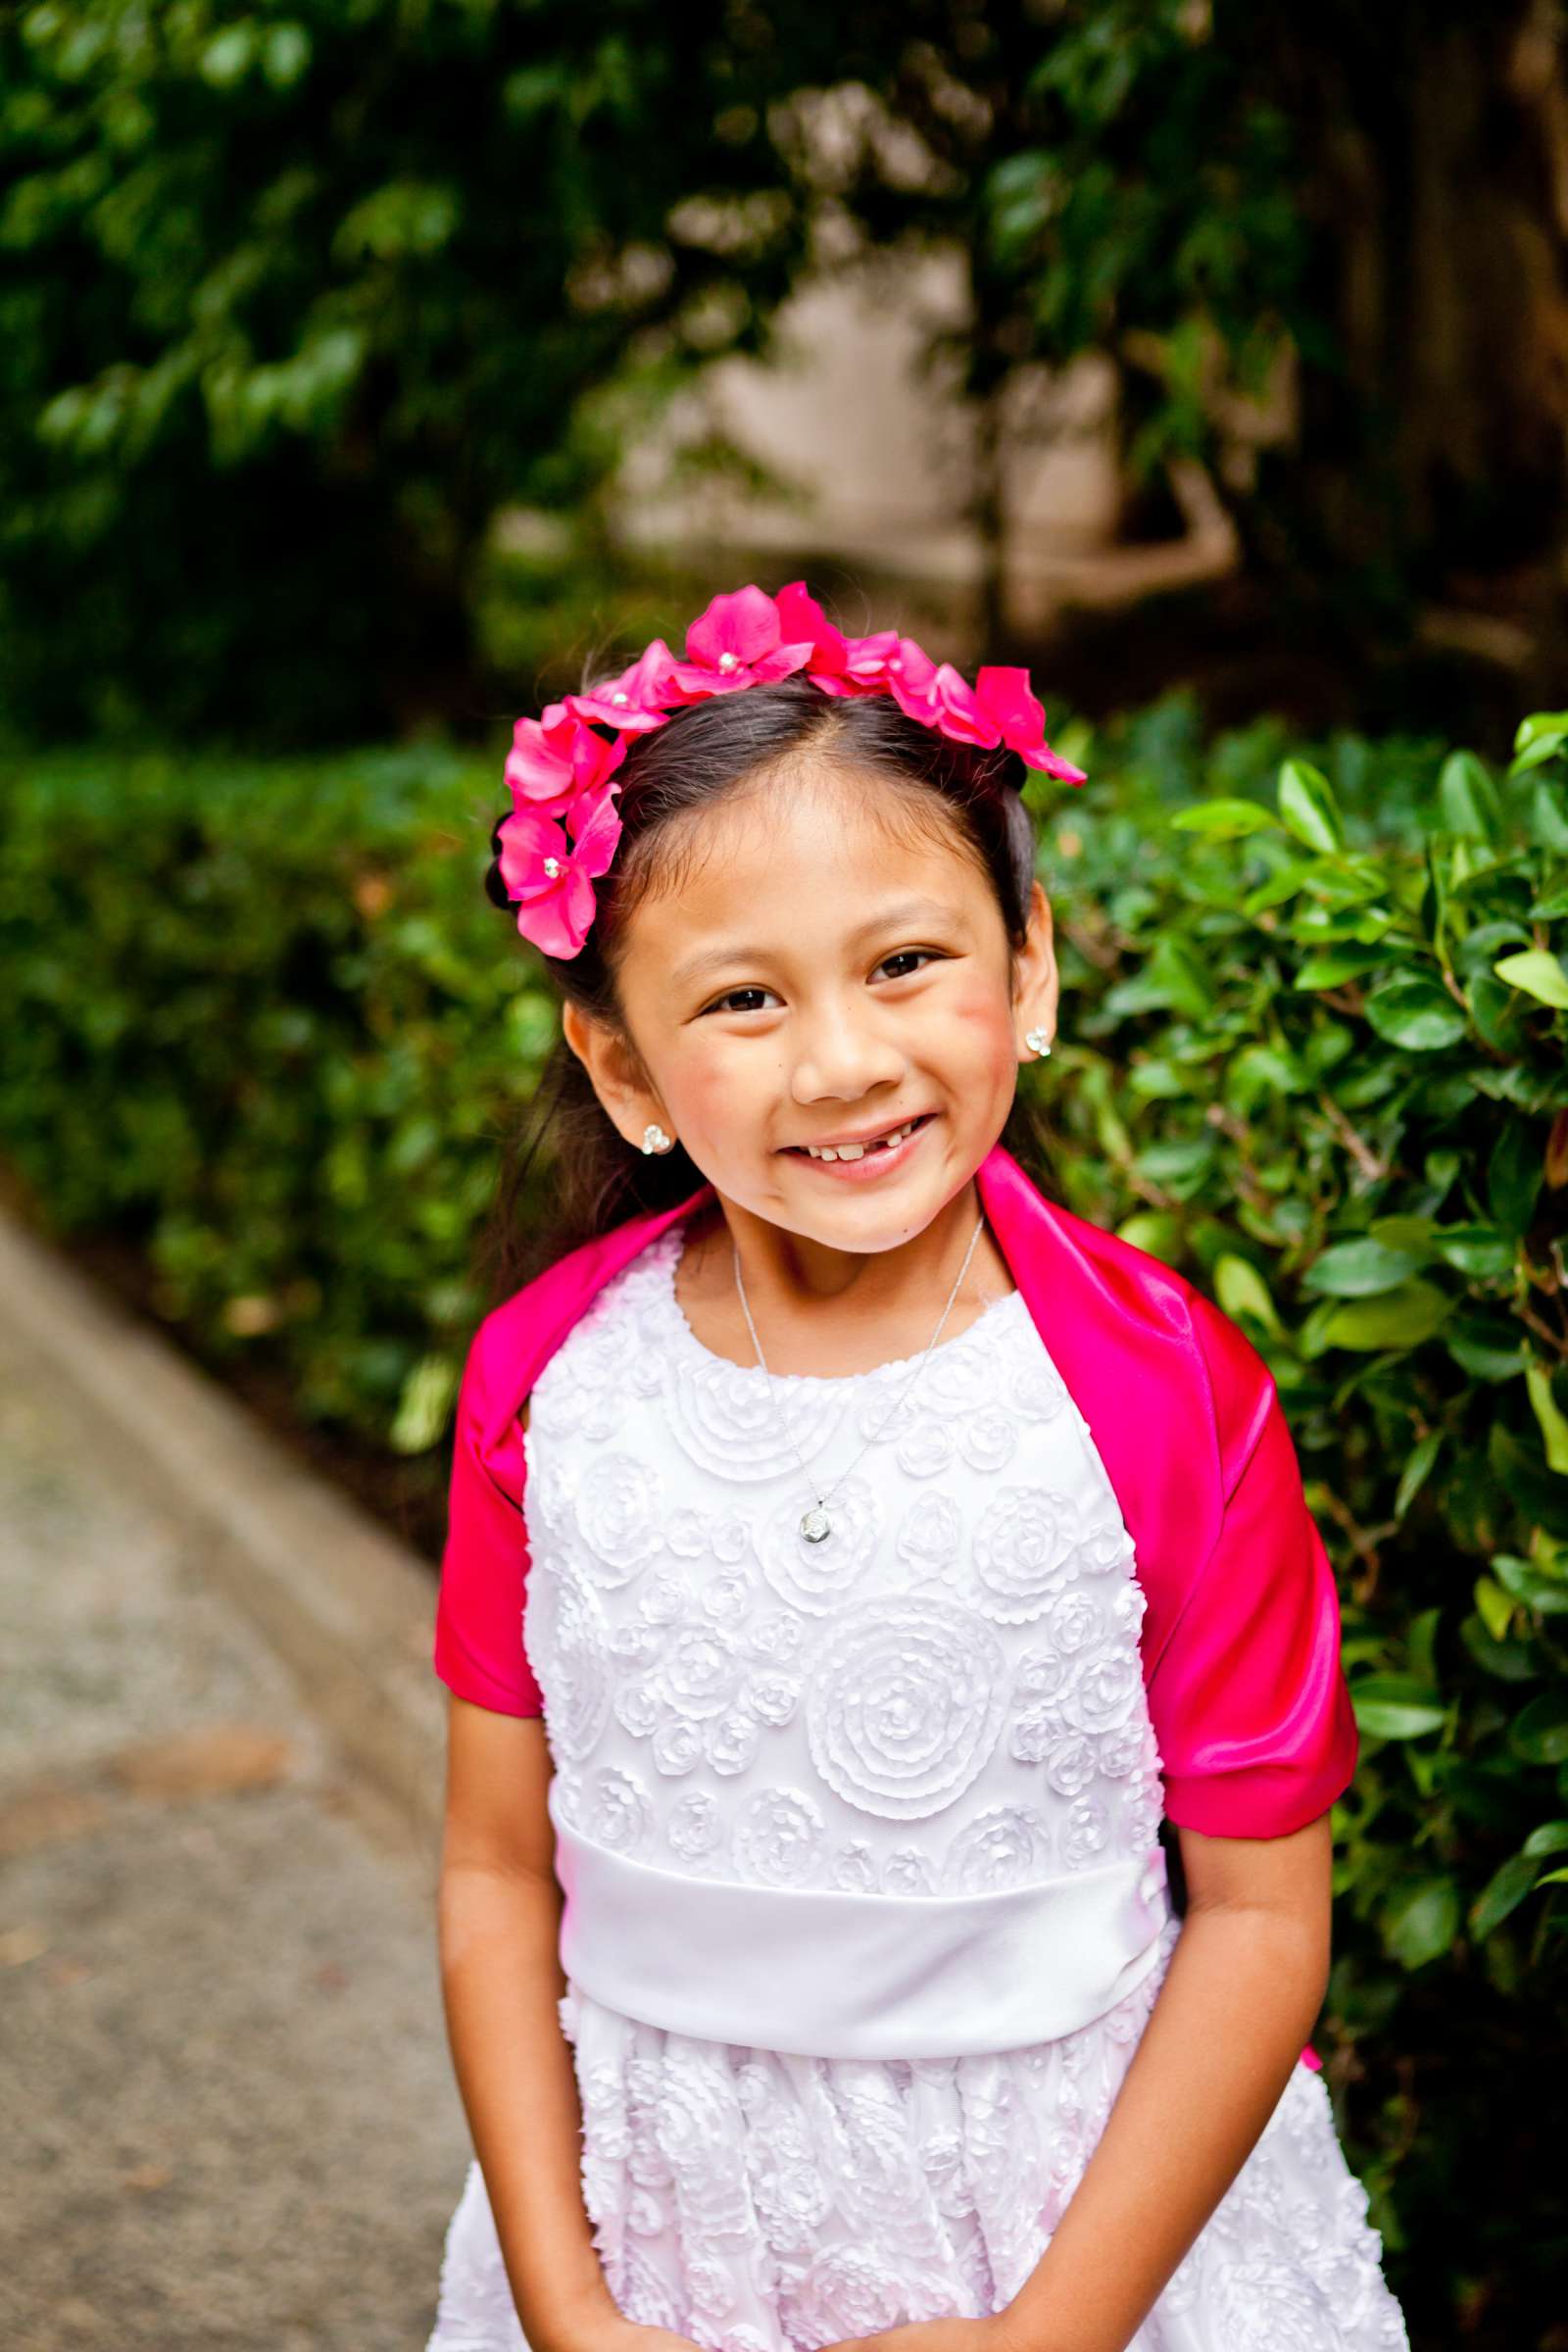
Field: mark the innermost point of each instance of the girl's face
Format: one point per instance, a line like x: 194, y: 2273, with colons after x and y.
x: 813, y: 978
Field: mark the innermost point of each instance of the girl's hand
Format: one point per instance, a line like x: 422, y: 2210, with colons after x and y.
x: 935, y: 2336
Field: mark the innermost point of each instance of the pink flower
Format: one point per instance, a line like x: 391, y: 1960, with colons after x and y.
x: 866, y: 660
x: 801, y: 619
x: 553, y: 883
x: 911, y: 675
x: 563, y: 830
x: 556, y: 758
x: 957, y: 709
x: 1004, y: 696
x: 736, y: 642
x: 635, y: 701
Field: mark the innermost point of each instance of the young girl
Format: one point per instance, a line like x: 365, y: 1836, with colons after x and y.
x: 855, y: 1558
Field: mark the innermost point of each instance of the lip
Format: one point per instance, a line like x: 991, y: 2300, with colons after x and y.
x: 876, y: 1164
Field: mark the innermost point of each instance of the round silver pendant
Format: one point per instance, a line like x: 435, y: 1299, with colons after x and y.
x: 816, y: 1524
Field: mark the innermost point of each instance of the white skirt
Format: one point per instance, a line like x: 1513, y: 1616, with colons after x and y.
x: 756, y: 2201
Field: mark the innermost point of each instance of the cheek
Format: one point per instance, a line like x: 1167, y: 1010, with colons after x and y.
x: 982, y: 1022
x: 709, y: 1087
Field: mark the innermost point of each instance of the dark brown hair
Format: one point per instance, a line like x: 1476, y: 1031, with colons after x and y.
x: 717, y: 751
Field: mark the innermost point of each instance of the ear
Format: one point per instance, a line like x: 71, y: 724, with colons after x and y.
x: 616, y: 1075
x: 1036, y: 982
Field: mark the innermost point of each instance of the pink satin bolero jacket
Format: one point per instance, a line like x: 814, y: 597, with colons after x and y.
x: 1241, y: 1634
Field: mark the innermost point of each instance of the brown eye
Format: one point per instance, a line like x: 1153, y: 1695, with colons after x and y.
x: 727, y: 1003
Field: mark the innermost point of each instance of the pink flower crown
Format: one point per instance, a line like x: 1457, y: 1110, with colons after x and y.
x: 562, y: 829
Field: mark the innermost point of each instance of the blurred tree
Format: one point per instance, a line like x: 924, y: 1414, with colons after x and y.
x: 1365, y: 207
x: 295, y: 294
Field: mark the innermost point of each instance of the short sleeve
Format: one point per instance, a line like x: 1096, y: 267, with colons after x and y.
x: 484, y: 1567
x: 1249, y: 1704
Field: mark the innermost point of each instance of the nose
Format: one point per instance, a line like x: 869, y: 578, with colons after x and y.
x: 841, y: 1054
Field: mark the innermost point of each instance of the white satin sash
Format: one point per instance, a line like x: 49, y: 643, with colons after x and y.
x: 823, y: 1973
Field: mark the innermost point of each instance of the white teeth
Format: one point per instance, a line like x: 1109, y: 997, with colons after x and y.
x: 860, y: 1150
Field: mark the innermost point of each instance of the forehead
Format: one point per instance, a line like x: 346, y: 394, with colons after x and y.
x: 840, y: 836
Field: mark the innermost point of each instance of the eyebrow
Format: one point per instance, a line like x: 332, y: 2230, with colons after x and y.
x: 888, y: 918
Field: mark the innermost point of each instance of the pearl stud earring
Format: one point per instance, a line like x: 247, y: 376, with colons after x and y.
x: 655, y: 1138
x: 1037, y: 1041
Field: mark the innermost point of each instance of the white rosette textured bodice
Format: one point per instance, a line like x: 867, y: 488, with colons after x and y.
x: 940, y: 1708
x: 865, y: 1911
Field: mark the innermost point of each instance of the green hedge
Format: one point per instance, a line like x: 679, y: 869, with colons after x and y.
x: 263, y: 1023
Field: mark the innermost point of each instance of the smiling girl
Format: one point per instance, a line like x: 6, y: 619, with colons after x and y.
x: 855, y: 1559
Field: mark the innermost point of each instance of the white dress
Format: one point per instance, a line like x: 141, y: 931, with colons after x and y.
x: 943, y: 1699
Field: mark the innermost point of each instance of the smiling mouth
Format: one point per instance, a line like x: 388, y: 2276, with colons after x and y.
x: 882, y: 1143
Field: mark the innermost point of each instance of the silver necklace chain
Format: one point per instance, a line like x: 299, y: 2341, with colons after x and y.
x: 816, y: 1525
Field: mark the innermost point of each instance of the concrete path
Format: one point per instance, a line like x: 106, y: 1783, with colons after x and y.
x: 229, y: 2113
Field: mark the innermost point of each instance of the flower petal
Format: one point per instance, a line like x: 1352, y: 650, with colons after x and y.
x: 539, y: 763
x: 594, y: 830
x: 959, y: 712
x: 525, y: 839
x: 802, y: 618
x: 866, y: 658
x: 696, y: 684
x: 1005, y: 694
x: 782, y: 662
x: 547, y: 921
x: 1053, y: 765
x: 643, y: 686
x: 743, y: 624
x: 596, y: 757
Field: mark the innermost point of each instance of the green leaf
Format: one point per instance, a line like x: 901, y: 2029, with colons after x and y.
x: 1548, y: 817
x: 1421, y: 1921
x: 1156, y: 1231
x: 1416, y: 1471
x: 1416, y: 1012
x: 1396, y: 1706
x: 1544, y: 1593
x: 1360, y: 1268
x: 1407, y: 1231
x: 1551, y: 1838
x: 1242, y: 1291
x: 424, y: 1404
x: 227, y: 57
x: 1553, y: 1426
x: 1258, y: 1072
x: 1497, y: 1609
x: 1308, y: 807
x: 1180, y: 978
x: 1540, y: 1734
x: 1539, y: 973
x: 1331, y: 968
x: 1515, y: 1173
x: 1400, y: 1318
x: 1420, y: 1647
x: 1280, y: 886
x: 1541, y: 726
x: 1179, y: 1166
x: 1509, y: 1661
x: 1225, y: 821
x: 1535, y: 754
x: 1481, y: 1249
x: 1503, y: 1890
x: 1468, y: 798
